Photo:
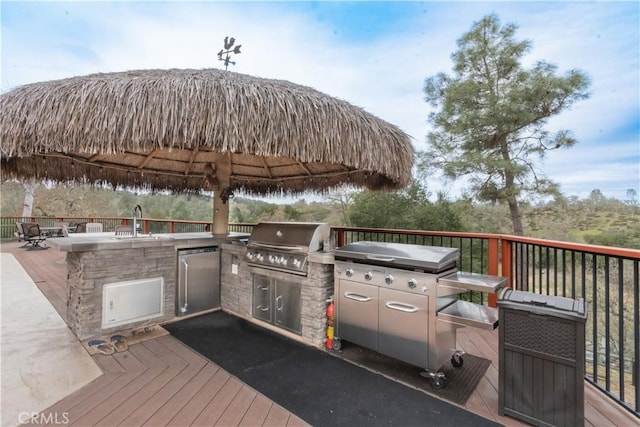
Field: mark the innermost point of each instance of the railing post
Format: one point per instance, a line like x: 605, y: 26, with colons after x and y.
x: 171, y: 227
x: 507, y: 262
x: 340, y: 239
x: 493, y: 267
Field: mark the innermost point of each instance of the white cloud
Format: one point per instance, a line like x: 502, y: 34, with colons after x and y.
x: 384, y: 75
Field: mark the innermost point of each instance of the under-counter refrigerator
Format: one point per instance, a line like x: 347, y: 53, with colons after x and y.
x: 198, y: 280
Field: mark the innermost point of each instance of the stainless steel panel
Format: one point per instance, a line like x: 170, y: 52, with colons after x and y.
x: 470, y: 314
x: 403, y: 326
x: 357, y: 313
x: 400, y: 255
x: 301, y: 236
x: 198, y: 280
x: 460, y: 282
x: 387, y: 277
x: 287, y: 305
x: 262, y: 298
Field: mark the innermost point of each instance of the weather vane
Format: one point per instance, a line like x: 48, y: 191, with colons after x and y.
x: 228, y: 44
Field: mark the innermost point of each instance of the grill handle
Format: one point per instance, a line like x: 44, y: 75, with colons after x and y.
x: 401, y: 307
x: 382, y: 259
x: 357, y: 297
x: 289, y: 248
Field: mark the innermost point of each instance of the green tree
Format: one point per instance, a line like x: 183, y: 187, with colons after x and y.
x: 408, y: 209
x: 490, y: 115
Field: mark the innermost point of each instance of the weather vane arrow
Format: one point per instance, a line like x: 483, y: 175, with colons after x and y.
x: 227, y: 51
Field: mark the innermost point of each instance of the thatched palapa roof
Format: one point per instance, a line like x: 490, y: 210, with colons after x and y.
x: 178, y: 129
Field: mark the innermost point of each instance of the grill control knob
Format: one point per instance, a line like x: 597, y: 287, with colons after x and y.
x: 388, y: 279
x: 349, y: 272
x: 412, y: 283
x: 368, y: 275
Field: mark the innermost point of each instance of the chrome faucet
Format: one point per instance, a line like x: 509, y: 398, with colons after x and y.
x: 137, y: 213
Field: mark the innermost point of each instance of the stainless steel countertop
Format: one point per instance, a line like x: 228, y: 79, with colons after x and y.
x: 84, y: 242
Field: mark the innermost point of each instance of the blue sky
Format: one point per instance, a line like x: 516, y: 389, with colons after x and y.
x: 375, y: 55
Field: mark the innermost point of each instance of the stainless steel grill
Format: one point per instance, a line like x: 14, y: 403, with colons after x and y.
x: 285, y: 246
x: 401, y: 300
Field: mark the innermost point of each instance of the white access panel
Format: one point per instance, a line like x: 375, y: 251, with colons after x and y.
x: 132, y: 301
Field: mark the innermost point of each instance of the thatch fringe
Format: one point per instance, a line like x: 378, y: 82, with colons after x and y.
x: 194, y: 113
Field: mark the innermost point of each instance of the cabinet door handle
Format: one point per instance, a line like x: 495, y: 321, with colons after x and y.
x: 261, y: 308
x: 186, y: 285
x: 357, y: 297
x: 279, y: 303
x: 393, y: 305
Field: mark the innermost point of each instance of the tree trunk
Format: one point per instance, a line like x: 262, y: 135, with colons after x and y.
x: 29, y: 193
x: 516, y: 218
x: 510, y: 184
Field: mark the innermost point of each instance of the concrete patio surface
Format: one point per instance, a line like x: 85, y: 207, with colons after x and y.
x: 42, y: 361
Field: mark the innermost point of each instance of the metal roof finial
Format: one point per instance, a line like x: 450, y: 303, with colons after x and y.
x: 228, y: 44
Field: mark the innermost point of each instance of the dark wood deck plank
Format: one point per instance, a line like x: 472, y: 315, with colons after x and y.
x: 205, y: 395
x: 110, y: 390
x: 158, y: 398
x: 296, y: 422
x: 109, y: 408
x: 157, y: 371
x: 182, y: 396
x: 257, y: 412
x: 238, y: 407
x: 216, y: 407
x: 277, y: 417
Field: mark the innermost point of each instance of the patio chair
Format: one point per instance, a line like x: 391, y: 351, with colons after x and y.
x: 94, y: 227
x: 19, y: 233
x: 81, y: 227
x: 33, y: 236
x: 124, y: 230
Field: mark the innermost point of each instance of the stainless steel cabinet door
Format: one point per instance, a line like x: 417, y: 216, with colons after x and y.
x: 358, y: 313
x: 403, y: 330
x: 262, y: 298
x: 198, y: 282
x: 287, y: 305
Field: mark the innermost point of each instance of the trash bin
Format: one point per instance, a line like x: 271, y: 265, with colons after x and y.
x: 541, y: 358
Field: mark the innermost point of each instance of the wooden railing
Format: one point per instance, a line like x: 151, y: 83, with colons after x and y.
x: 606, y: 277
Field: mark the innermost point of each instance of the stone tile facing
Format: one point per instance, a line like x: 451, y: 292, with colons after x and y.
x: 315, y: 289
x: 89, y: 271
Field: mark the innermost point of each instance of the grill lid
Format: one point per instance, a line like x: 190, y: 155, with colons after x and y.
x: 402, y: 255
x: 291, y: 236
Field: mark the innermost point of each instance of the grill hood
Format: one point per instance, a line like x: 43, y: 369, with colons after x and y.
x: 291, y: 236
x: 401, y: 255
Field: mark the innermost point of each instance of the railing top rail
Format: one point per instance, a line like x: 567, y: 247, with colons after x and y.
x: 419, y: 232
x: 581, y: 247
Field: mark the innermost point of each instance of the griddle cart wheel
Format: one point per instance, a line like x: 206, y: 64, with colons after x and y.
x: 437, y: 382
x: 336, y: 344
x: 457, y: 361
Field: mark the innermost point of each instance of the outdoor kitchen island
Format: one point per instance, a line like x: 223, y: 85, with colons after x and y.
x: 140, y: 276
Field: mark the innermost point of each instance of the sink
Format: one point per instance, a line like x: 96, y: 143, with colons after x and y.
x: 138, y: 238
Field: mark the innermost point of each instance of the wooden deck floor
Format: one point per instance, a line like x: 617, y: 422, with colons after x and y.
x: 163, y: 382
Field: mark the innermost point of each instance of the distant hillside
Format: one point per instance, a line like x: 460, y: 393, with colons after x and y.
x: 595, y: 220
